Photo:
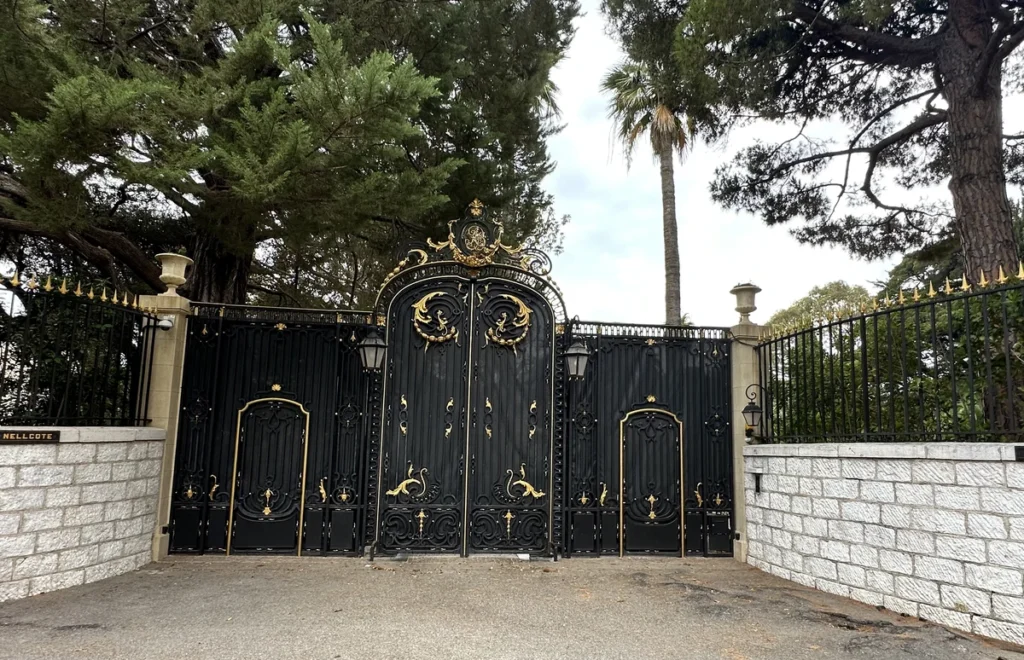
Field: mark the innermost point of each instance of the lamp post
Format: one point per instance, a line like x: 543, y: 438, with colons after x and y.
x: 576, y: 358
x: 371, y: 351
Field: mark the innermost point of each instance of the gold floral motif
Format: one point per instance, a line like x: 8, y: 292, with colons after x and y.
x: 651, y: 499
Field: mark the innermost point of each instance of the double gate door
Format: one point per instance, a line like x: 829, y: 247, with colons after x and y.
x: 466, y: 441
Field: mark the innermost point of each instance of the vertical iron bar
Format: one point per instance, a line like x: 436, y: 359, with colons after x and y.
x: 970, y: 367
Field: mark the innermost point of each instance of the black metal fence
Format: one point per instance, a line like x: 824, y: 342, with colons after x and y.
x: 941, y: 365
x: 73, y: 356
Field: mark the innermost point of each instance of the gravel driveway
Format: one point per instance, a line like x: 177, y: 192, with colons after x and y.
x: 282, y: 608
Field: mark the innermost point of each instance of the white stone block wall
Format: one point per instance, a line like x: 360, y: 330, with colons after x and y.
x: 77, y: 511
x: 929, y: 530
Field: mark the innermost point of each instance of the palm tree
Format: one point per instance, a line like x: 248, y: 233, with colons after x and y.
x: 638, y: 108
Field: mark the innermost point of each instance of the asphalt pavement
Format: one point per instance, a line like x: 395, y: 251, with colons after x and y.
x: 340, y: 608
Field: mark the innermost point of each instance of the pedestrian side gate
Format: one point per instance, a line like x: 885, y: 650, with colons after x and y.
x: 470, y: 436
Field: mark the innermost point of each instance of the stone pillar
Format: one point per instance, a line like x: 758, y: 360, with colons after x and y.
x: 744, y: 372
x: 165, y: 381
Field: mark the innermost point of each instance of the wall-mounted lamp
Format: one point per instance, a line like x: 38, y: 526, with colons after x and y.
x: 752, y: 412
x: 371, y: 351
x: 576, y: 358
x: 165, y: 323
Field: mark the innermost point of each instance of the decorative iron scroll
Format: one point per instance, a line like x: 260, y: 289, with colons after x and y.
x: 435, y: 318
x: 474, y: 241
x: 507, y: 318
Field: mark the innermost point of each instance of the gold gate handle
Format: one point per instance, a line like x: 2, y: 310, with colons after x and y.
x: 700, y: 498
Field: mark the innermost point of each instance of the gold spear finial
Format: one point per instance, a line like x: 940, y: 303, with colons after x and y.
x: 902, y: 300
x: 90, y: 295
x: 888, y: 301
x: 32, y: 284
x: 874, y: 304
x: 78, y: 289
x: 103, y: 296
x: 964, y: 284
x: 948, y: 289
x: 15, y: 281
x: 48, y: 287
x: 1002, y: 279
x: 63, y: 286
x: 1020, y: 270
x: 982, y: 281
x: 917, y: 294
x: 931, y: 290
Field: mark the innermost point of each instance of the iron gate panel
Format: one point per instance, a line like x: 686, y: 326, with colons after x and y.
x: 650, y: 492
x: 422, y: 489
x: 510, y: 432
x: 236, y: 356
x: 686, y: 372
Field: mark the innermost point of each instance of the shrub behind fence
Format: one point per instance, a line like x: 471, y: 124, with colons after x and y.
x: 943, y: 365
x: 73, y: 357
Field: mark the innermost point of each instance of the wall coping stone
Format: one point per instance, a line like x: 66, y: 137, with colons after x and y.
x: 941, y: 451
x: 96, y: 434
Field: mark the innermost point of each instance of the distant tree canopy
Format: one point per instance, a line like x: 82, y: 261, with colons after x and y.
x: 819, y: 303
x: 288, y: 147
x: 918, y: 84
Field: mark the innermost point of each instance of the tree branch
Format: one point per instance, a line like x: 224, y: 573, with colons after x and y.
x: 899, y: 50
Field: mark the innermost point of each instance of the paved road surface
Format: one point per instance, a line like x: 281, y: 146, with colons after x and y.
x: 322, y: 609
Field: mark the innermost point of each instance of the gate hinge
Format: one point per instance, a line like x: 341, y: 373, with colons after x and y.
x: 736, y: 536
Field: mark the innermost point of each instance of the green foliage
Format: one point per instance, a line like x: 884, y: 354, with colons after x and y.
x: 638, y: 109
x: 821, y: 303
x: 879, y: 68
x: 287, y: 146
x: 951, y: 368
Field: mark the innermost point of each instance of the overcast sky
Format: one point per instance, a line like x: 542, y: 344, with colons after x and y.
x: 612, y: 266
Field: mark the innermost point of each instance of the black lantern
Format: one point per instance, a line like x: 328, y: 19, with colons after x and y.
x: 752, y: 416
x: 752, y: 411
x: 371, y: 351
x: 576, y: 359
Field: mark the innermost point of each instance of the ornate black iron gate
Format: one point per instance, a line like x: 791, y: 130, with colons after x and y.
x: 648, y: 391
x: 271, y: 439
x: 468, y: 435
x: 470, y: 439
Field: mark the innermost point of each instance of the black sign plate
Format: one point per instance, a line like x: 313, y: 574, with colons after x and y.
x: 22, y: 437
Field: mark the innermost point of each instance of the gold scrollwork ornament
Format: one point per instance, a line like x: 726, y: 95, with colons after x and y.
x: 528, y: 489
x: 403, y: 487
x: 509, y: 333
x: 434, y: 329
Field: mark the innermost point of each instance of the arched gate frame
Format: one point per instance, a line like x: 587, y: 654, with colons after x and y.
x: 468, y: 456
x: 471, y: 439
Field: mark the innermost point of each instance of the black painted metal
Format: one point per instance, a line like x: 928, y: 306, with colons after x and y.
x: 683, y: 371
x: 251, y: 375
x: 73, y: 358
x: 470, y: 440
x: 929, y: 368
x: 468, y: 425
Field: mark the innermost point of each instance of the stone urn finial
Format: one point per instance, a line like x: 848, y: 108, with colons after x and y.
x: 745, y: 294
x: 173, y: 270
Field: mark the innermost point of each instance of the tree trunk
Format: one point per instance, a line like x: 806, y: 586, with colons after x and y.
x: 219, y: 274
x: 673, y: 311
x: 977, y: 181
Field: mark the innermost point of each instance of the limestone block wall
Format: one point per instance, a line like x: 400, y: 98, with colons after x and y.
x: 929, y: 530
x: 77, y: 511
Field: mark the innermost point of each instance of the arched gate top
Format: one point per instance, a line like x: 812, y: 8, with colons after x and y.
x: 472, y: 249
